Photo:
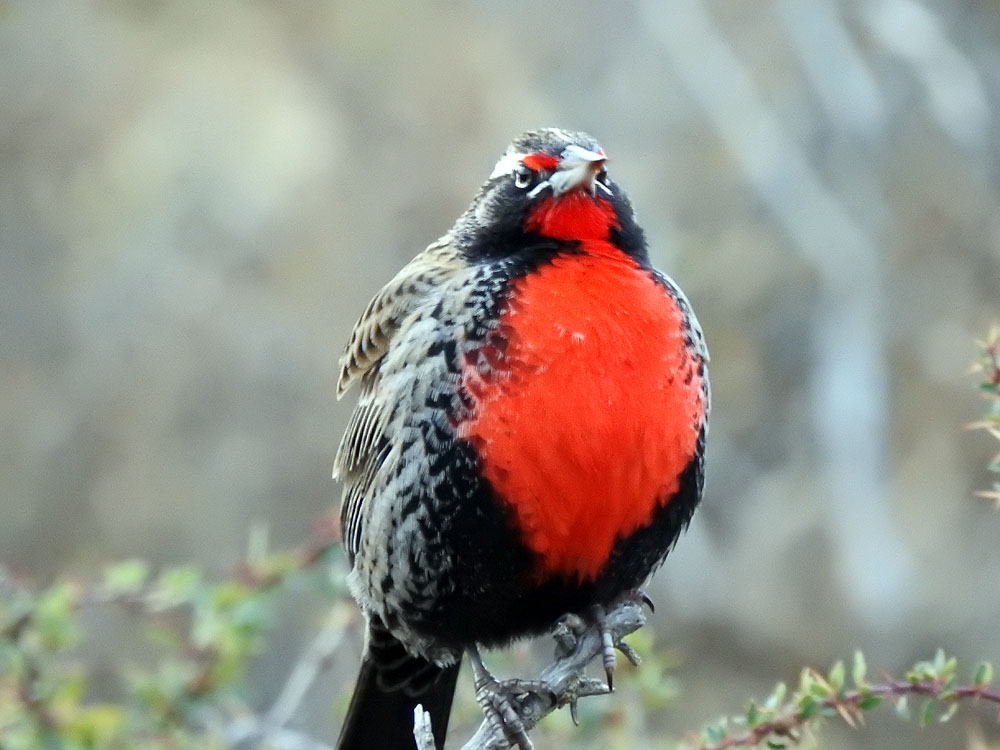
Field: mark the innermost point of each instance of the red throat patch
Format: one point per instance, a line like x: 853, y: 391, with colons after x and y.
x: 574, y: 216
x: 590, y: 408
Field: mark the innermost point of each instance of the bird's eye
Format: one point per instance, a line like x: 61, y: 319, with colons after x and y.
x: 524, y: 177
x: 602, y: 176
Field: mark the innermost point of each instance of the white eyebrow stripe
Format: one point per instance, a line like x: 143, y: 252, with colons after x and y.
x: 507, y: 164
x: 539, y: 188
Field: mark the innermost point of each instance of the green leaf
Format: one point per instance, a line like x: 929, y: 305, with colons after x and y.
x: 836, y: 676
x: 922, y: 670
x: 859, y: 669
x: 947, y: 667
x: 177, y: 586
x: 775, y: 699
x: 927, y: 712
x: 869, y: 702
x: 716, y: 732
x: 808, y: 707
x: 984, y: 674
x: 819, y: 690
x: 948, y: 713
x: 948, y: 689
x: 939, y: 660
x: 97, y: 726
x: 806, y: 681
x: 53, y: 618
x: 903, y: 708
x: 126, y: 577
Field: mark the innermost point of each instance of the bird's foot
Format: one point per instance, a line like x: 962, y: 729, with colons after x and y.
x: 572, y: 624
x: 609, y: 642
x: 498, y: 700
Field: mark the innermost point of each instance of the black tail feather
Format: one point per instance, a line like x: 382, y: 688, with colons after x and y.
x: 380, y: 716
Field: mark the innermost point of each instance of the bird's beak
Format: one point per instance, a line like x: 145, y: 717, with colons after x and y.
x: 577, y: 170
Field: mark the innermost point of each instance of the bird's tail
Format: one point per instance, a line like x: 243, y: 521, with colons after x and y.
x: 389, y: 687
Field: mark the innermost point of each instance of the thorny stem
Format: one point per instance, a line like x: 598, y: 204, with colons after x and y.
x: 848, y: 707
x: 988, y: 364
x: 145, y: 602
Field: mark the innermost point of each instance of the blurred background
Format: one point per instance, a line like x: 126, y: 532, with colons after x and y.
x: 197, y: 200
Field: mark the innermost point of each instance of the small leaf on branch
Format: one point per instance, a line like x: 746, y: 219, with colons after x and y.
x: 903, y: 708
x: 948, y: 713
x: 869, y: 702
x: 984, y: 675
x: 836, y: 677
x: 859, y: 669
x: 53, y: 617
x: 927, y: 712
x: 126, y: 577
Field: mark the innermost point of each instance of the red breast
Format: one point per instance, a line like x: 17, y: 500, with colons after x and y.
x: 592, y: 404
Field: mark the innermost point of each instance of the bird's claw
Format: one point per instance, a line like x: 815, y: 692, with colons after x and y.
x: 574, y: 713
x: 609, y: 643
x: 639, y: 596
x: 500, y: 706
x: 607, y: 651
x: 584, y: 686
x: 647, y: 601
x: 501, y: 714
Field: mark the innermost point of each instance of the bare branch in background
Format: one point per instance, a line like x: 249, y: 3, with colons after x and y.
x: 849, y: 381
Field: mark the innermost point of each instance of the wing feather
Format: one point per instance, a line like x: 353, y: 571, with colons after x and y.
x: 379, y: 322
x: 366, y: 444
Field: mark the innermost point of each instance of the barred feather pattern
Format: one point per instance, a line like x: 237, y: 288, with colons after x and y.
x: 405, y: 352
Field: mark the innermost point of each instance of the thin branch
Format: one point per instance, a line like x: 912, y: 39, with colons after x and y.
x: 314, y: 660
x: 850, y: 706
x: 250, y: 730
x: 244, y: 734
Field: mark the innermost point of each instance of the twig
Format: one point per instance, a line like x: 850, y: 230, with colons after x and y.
x: 269, y: 731
x: 565, y: 677
x: 243, y: 734
x: 850, y: 706
x: 423, y: 733
x: 314, y: 660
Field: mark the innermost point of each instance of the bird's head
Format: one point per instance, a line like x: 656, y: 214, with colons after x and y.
x: 552, y: 184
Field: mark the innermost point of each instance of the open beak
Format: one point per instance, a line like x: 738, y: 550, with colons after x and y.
x: 577, y: 170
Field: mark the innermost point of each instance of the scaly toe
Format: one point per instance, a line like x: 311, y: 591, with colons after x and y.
x: 501, y: 713
x: 500, y: 707
x: 607, y: 645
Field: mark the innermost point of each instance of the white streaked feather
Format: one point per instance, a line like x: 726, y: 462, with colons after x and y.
x: 367, y: 443
x: 377, y: 324
x: 507, y: 164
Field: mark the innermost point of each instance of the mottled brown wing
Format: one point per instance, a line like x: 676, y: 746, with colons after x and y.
x: 365, y: 443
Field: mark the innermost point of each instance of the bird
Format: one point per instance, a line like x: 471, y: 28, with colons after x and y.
x: 529, y: 437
